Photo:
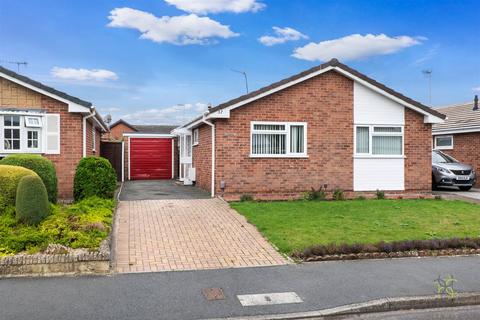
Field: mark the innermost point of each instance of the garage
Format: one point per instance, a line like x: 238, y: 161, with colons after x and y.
x: 150, y: 157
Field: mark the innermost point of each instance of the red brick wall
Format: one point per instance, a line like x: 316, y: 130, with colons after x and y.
x: 466, y: 148
x: 326, y: 104
x: 71, y: 145
x: 202, y: 157
x: 117, y: 131
x: 418, y: 152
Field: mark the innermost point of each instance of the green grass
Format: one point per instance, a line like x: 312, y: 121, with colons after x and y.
x: 296, y: 225
x: 81, y: 225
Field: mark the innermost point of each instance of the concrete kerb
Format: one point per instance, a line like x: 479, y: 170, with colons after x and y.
x: 372, y: 306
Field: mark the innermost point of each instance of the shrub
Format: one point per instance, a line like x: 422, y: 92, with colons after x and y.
x: 31, y: 204
x: 9, y: 178
x: 94, y: 176
x: 246, y: 197
x: 41, y: 166
x: 338, y: 194
x: 380, y: 194
x: 318, y: 194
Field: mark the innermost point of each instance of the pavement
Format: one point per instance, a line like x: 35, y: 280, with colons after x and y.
x: 459, y: 313
x: 178, y: 295
x: 187, y: 234
x: 159, y: 190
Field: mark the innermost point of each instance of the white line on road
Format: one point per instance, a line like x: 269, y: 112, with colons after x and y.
x: 248, y: 300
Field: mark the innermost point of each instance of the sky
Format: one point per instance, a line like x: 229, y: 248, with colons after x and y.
x: 164, y: 61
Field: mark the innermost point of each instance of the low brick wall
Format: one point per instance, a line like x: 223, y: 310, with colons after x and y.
x: 76, y: 261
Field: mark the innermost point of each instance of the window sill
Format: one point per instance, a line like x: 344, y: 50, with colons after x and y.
x: 195, y: 144
x: 281, y: 156
x: 444, y: 148
x: 367, y: 156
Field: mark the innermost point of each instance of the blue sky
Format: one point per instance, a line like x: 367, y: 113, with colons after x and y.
x: 163, y: 61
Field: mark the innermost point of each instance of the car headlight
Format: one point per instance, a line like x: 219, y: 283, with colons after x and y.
x: 444, y: 170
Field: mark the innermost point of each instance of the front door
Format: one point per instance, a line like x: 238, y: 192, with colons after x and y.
x: 185, y: 157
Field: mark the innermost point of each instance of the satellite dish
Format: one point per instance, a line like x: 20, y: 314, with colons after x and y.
x: 107, y: 119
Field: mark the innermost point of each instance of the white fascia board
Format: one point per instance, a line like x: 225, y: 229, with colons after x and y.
x: 72, y: 107
x: 453, y: 131
x: 432, y: 119
x: 148, y: 135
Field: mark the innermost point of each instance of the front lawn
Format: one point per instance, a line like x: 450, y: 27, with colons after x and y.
x: 82, y: 225
x: 296, y: 225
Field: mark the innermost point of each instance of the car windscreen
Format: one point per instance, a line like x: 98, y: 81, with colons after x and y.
x: 438, y: 157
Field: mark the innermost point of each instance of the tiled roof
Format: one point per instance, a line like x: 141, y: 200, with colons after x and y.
x: 459, y: 117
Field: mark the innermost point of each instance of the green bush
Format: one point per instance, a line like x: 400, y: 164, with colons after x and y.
x: 94, y: 176
x: 246, y: 197
x: 41, y: 166
x: 380, y: 194
x: 9, y: 178
x: 31, y: 205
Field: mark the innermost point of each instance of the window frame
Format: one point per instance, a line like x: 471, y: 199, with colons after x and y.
x: 30, y: 125
x: 24, y: 128
x: 94, y: 139
x: 195, y: 137
x: 435, y: 146
x: 371, y: 134
x: 287, y: 132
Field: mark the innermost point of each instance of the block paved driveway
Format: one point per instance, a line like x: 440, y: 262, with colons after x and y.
x: 186, y: 234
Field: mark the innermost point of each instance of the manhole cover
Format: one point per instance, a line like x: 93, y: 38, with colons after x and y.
x: 213, y: 293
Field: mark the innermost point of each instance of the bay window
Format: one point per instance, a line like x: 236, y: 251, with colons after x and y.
x: 278, y: 139
x: 371, y: 140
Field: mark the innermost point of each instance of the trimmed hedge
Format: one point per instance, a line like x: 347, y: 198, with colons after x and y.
x: 388, y: 247
x: 10, y: 176
x: 31, y: 205
x: 42, y: 166
x: 94, y: 176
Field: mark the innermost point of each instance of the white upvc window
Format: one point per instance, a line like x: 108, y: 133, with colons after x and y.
x: 94, y: 138
x: 23, y: 132
x: 443, y: 142
x: 379, y: 140
x: 278, y: 139
x: 195, y: 136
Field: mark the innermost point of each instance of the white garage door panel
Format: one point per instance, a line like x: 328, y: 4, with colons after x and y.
x: 382, y: 174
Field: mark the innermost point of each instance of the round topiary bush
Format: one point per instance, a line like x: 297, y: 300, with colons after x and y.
x: 9, y: 178
x: 41, y: 165
x: 94, y: 176
x: 31, y: 205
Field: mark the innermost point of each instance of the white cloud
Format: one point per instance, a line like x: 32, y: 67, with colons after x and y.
x: 180, y: 30
x: 216, y: 6
x: 112, y: 109
x: 355, y: 46
x: 177, y: 114
x: 282, y: 35
x: 476, y: 89
x: 83, y: 74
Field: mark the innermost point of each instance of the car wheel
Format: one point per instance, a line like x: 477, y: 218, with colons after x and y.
x: 466, y: 188
x: 434, y: 185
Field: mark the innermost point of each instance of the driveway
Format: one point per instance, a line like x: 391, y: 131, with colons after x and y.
x: 159, y: 190
x: 473, y: 195
x: 183, y: 231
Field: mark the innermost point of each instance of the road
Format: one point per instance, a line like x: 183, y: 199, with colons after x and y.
x: 178, y: 295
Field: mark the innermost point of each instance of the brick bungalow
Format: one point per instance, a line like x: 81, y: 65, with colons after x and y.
x: 459, y: 135
x: 38, y: 119
x: 329, y: 125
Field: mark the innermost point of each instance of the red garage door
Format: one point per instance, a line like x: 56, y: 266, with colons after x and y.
x: 150, y: 158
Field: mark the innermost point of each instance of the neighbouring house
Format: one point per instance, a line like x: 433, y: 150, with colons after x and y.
x: 459, y: 135
x: 38, y: 119
x: 329, y: 125
x: 148, y: 150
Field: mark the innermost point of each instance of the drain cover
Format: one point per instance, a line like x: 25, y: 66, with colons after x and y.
x: 213, y: 294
